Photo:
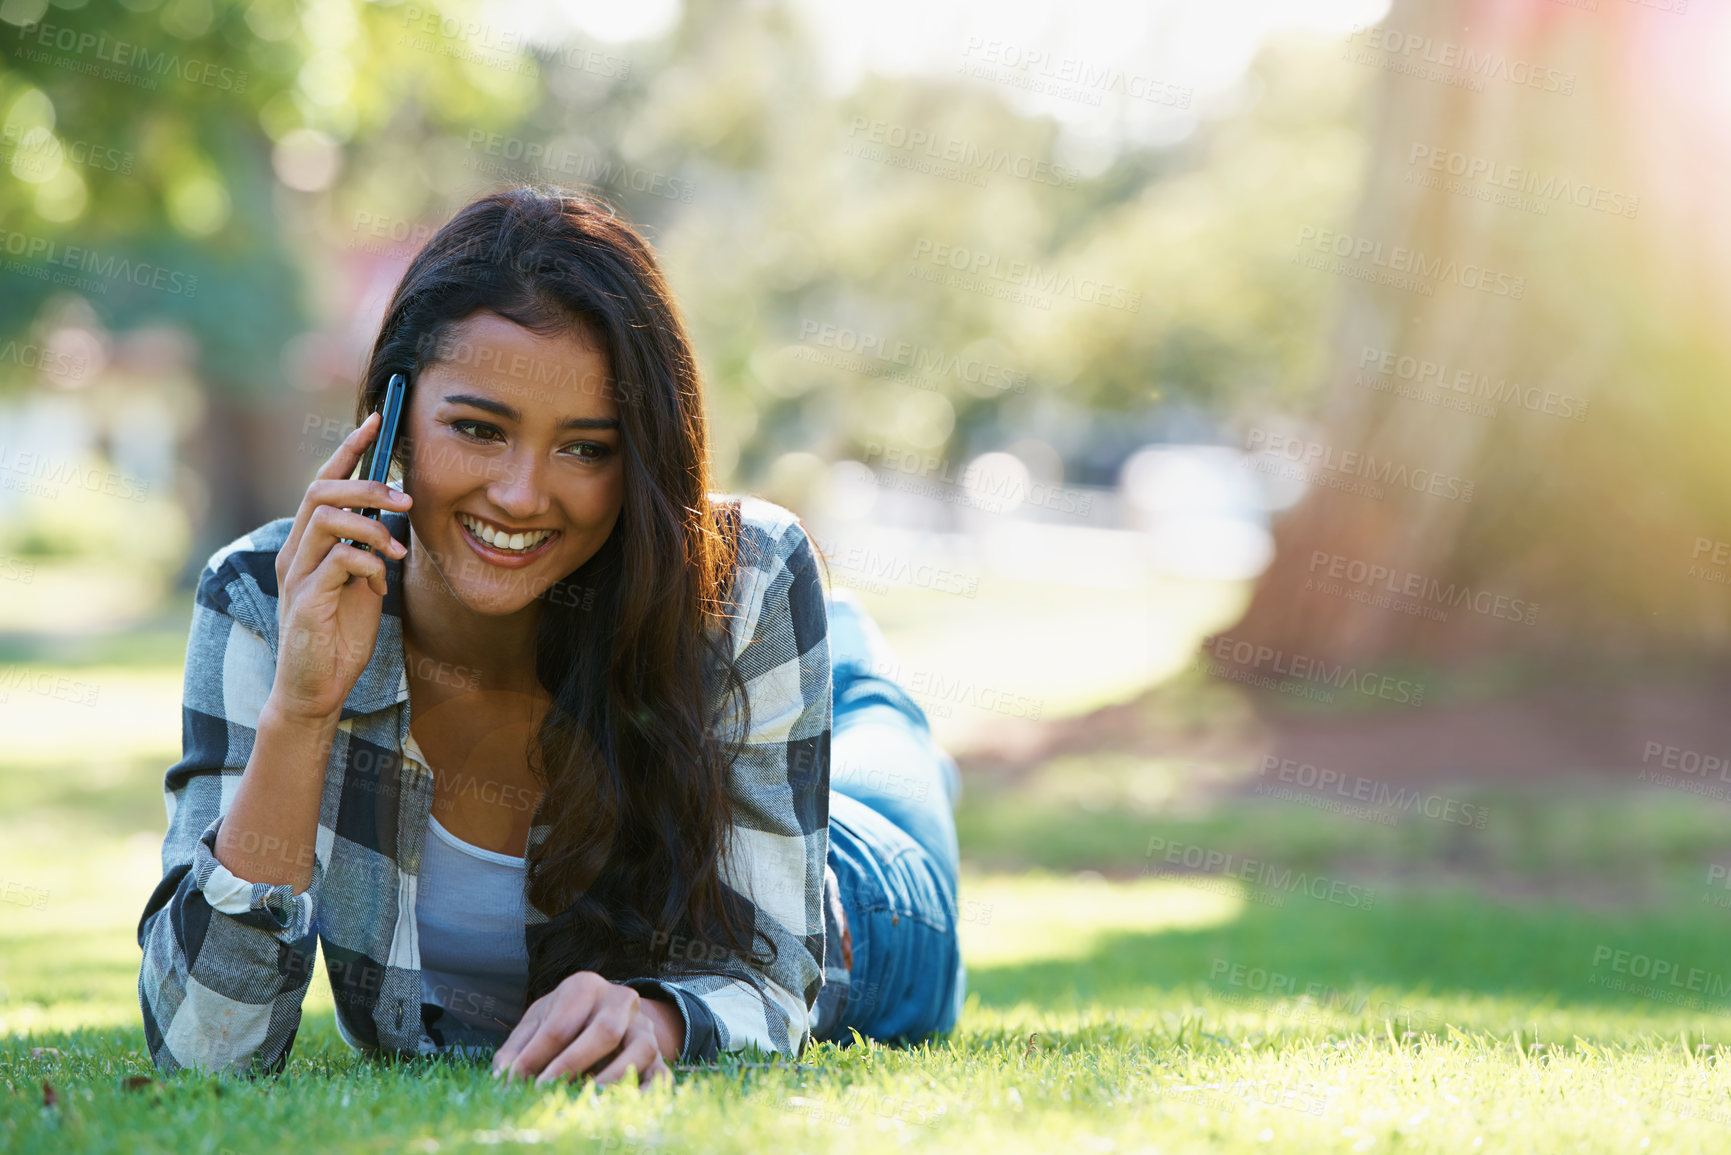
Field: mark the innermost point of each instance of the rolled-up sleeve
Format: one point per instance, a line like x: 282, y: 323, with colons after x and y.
x: 226, y: 963
x: 779, y: 787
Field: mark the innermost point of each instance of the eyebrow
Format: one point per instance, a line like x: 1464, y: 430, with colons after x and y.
x: 510, y: 414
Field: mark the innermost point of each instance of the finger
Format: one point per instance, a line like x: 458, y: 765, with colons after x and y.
x: 521, y: 1033
x: 347, y: 494
x: 659, y: 1074
x: 340, y: 464
x: 344, y: 563
x: 640, y: 1053
x: 347, y: 455
x: 599, y: 1038
x: 564, y: 1021
x: 329, y: 527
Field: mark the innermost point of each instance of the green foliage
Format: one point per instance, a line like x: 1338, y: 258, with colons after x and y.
x: 793, y: 222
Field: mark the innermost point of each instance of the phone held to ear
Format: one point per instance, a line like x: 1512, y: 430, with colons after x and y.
x: 376, y: 466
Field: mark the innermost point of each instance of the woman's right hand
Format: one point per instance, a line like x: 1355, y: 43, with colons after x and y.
x: 327, y: 624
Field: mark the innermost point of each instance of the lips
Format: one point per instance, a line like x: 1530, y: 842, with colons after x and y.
x: 503, y: 540
x: 498, y: 551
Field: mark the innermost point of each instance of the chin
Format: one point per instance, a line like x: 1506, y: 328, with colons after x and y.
x: 492, y: 602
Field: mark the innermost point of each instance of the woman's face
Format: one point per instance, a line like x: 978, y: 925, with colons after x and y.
x: 512, y: 433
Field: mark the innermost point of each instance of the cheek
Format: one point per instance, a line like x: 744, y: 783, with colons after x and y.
x: 442, y: 471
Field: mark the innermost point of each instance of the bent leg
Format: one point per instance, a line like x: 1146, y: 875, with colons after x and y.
x: 882, y: 750
x: 907, y: 979
x: 893, y: 846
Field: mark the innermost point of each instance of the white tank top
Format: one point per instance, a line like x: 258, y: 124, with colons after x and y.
x: 469, y: 914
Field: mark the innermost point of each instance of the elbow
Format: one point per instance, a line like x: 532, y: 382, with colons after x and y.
x: 212, y: 1052
x: 188, y: 1026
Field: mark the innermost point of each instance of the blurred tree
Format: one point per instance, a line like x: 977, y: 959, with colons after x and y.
x: 155, y: 151
x: 1599, y: 470
x: 792, y: 222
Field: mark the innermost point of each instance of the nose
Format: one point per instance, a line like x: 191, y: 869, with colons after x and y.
x: 518, y: 488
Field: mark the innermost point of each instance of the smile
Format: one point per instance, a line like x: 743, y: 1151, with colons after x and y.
x: 509, y: 544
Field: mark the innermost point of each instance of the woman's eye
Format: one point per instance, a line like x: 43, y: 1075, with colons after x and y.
x: 599, y: 451
x: 466, y: 428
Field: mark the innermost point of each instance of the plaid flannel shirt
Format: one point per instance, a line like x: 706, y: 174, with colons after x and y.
x: 227, y: 963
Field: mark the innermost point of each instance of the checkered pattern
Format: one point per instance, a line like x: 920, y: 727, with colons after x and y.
x: 227, y: 963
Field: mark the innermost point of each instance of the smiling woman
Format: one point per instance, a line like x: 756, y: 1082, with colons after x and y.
x: 556, y: 611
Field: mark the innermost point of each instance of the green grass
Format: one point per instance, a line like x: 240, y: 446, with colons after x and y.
x: 1110, y: 1008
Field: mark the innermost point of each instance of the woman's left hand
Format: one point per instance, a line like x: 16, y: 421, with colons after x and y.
x: 580, y: 1024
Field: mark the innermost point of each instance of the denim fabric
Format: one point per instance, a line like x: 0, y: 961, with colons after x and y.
x: 892, y: 844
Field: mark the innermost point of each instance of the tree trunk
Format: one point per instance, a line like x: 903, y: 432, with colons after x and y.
x: 1509, y: 537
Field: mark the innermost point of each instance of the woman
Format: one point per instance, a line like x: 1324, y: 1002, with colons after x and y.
x: 546, y: 767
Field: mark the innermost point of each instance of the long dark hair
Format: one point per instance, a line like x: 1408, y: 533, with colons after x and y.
x: 629, y: 753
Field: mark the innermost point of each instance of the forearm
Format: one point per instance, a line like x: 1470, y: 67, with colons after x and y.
x: 270, y: 830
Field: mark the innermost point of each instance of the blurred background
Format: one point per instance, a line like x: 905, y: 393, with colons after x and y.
x: 1291, y: 428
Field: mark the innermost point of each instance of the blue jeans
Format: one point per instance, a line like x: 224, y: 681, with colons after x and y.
x: 892, y: 843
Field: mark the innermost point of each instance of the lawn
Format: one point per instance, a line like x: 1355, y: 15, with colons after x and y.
x: 1145, y: 975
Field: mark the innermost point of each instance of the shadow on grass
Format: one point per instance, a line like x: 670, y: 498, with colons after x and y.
x: 1448, y: 944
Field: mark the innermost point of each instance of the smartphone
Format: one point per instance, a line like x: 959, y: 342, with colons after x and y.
x: 376, y: 465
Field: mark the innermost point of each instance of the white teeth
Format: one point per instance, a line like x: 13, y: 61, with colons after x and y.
x: 514, y: 542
